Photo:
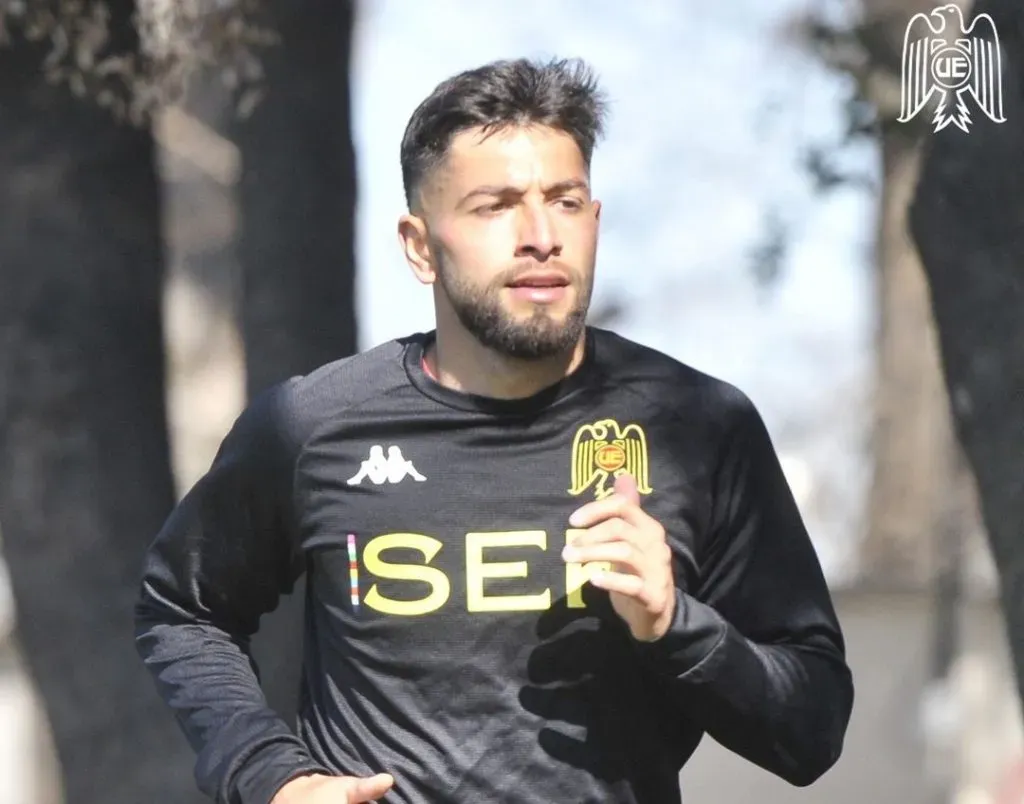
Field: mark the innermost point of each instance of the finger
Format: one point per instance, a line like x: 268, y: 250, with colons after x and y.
x: 631, y: 586
x: 622, y: 554
x: 371, y: 788
x: 625, y: 486
x: 599, y: 510
x: 610, y: 530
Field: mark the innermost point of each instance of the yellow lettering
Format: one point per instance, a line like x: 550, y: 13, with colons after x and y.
x: 440, y: 587
x: 578, y: 574
x: 477, y: 571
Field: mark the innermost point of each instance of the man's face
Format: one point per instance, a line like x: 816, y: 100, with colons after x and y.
x: 512, y: 234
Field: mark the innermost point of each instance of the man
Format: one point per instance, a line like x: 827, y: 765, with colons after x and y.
x: 579, y: 556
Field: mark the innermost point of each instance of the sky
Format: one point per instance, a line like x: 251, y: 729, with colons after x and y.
x: 709, y: 110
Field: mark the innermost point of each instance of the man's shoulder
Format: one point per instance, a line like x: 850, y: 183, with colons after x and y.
x: 660, y: 376
x: 297, y: 406
x: 352, y: 379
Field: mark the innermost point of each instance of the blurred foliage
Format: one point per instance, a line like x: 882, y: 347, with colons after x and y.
x: 867, y: 48
x: 78, y: 46
x: 767, y: 257
x: 859, y: 47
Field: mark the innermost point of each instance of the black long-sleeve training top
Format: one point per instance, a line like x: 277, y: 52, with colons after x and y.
x: 447, y: 642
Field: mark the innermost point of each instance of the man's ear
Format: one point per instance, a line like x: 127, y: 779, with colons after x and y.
x: 412, y: 236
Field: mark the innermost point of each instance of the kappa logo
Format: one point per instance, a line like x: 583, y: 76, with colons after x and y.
x: 946, y: 58
x: 380, y: 469
x: 604, y: 450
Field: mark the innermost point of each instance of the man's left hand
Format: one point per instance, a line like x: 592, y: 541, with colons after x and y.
x: 640, y: 584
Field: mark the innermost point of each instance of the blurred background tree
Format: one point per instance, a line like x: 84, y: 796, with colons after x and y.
x: 921, y: 504
x: 85, y: 478
x: 296, y: 242
x: 87, y: 475
x: 966, y: 219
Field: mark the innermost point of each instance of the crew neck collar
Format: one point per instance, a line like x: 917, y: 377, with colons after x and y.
x: 417, y: 346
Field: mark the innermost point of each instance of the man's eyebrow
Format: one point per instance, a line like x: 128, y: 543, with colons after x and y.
x: 567, y: 186
x: 489, y: 189
x: 506, y: 190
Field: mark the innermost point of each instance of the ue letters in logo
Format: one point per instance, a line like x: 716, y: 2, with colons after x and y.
x: 604, y: 450
x: 941, y: 56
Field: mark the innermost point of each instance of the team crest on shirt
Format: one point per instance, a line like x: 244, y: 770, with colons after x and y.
x: 604, y: 450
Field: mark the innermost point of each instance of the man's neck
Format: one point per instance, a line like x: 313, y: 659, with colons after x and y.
x: 463, y: 364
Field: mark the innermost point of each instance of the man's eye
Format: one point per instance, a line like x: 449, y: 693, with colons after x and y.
x: 497, y: 206
x: 570, y: 203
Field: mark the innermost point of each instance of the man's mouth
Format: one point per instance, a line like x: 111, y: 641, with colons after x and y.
x: 540, y: 281
x: 540, y: 287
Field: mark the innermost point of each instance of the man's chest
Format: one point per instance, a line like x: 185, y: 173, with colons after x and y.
x: 417, y: 522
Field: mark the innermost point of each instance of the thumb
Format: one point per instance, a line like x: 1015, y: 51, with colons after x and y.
x: 370, y: 789
x: 625, y: 485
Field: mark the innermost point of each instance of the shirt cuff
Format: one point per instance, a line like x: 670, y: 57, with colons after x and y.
x: 693, y: 636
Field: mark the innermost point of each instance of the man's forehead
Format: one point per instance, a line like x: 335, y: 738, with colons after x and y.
x: 512, y: 156
x: 509, y: 157
x: 513, y: 143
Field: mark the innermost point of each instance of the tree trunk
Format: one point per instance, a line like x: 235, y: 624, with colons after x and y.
x: 297, y: 196
x: 913, y: 448
x: 967, y: 221
x: 85, y: 477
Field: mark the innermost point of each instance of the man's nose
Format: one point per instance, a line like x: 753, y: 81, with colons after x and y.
x: 538, y: 233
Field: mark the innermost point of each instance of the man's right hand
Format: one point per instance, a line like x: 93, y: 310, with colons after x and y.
x: 320, y: 789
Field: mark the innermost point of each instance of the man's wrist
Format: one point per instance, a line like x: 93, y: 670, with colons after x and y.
x: 665, y: 624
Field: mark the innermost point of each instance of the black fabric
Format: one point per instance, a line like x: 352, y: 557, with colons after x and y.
x: 471, y: 662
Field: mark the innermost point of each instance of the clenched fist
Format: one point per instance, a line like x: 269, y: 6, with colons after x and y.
x: 320, y: 789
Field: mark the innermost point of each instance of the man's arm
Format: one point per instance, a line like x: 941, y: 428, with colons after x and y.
x: 756, y: 653
x: 222, y: 559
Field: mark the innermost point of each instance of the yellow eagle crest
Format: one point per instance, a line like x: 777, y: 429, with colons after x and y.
x: 604, y: 450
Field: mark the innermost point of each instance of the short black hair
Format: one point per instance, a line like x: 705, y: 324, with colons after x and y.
x: 561, y: 93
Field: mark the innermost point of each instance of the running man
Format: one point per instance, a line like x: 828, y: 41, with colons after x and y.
x: 596, y: 561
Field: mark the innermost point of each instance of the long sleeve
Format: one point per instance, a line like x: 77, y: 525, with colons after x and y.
x: 756, y: 654
x: 221, y: 560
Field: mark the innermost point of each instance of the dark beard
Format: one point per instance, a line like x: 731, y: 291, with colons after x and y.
x: 540, y: 336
